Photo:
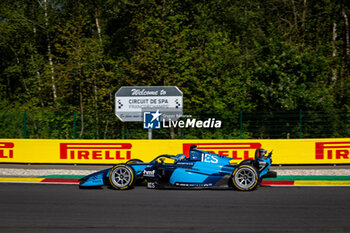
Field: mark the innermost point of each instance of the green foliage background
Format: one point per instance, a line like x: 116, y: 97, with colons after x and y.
x: 268, y: 59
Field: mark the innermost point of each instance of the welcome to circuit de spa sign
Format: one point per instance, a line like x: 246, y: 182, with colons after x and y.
x: 132, y: 101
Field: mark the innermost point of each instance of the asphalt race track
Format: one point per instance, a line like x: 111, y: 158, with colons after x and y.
x: 66, y: 208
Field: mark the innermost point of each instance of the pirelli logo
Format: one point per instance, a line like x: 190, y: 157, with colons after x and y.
x: 95, y: 151
x: 6, y: 150
x: 332, y: 150
x: 238, y: 151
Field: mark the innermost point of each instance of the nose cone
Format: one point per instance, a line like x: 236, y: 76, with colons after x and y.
x: 94, y: 179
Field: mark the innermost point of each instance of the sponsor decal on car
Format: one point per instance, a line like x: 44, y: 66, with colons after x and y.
x: 6, y: 150
x: 332, y: 150
x: 149, y: 173
x: 207, y: 158
x: 193, y: 185
x: 186, y: 163
x: 95, y: 151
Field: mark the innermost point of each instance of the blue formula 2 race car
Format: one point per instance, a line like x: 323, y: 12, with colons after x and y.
x: 201, y: 170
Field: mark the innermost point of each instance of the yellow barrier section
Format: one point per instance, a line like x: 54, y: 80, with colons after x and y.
x: 322, y: 183
x: 286, y: 151
x: 20, y: 179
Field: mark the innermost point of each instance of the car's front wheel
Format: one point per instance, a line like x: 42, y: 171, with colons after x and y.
x: 245, y: 178
x: 122, y: 176
x: 134, y: 161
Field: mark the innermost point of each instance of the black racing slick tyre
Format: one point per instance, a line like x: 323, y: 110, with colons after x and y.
x: 245, y: 178
x: 122, y: 177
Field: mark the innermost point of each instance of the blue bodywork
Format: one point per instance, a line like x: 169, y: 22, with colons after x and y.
x: 201, y: 169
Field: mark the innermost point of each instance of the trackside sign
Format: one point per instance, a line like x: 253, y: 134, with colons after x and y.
x: 132, y: 101
x: 6, y: 150
x: 95, y: 151
x: 332, y: 150
x: 292, y: 151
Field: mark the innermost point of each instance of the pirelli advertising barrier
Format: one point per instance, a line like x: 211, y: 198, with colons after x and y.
x: 291, y: 151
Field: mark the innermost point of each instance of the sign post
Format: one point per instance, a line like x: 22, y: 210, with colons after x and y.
x: 149, y: 134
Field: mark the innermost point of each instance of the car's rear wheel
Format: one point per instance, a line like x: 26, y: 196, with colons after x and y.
x: 122, y: 176
x: 245, y: 178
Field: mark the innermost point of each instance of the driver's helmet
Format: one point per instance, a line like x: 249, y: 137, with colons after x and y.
x: 180, y: 157
x: 259, y: 153
x: 263, y: 152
